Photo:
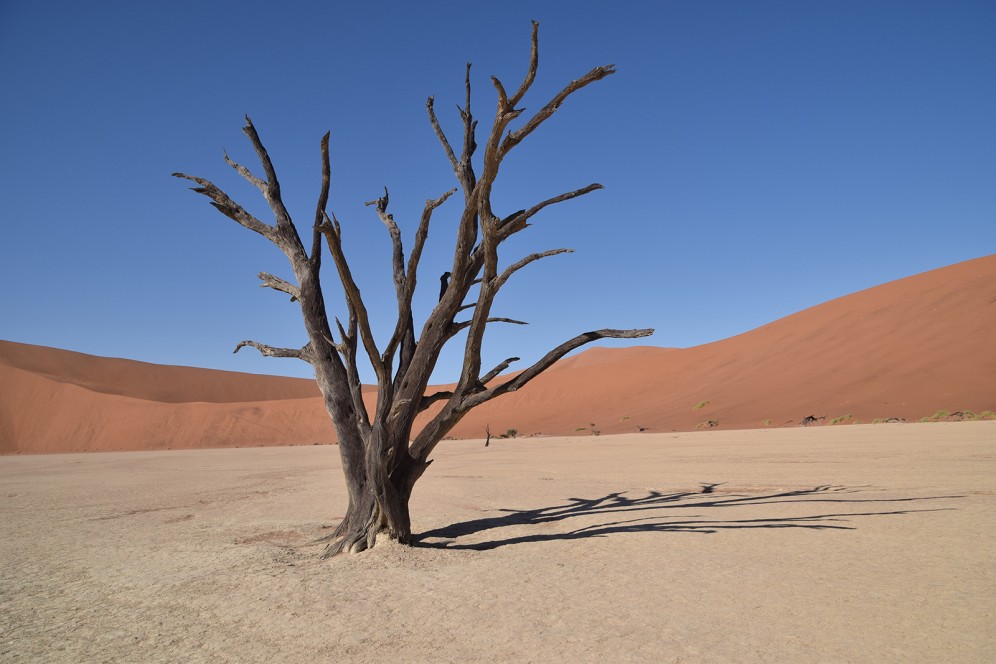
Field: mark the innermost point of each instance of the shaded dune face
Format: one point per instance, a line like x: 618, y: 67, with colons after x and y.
x: 905, y: 349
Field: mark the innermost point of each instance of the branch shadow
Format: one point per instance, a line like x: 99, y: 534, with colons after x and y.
x: 657, y: 512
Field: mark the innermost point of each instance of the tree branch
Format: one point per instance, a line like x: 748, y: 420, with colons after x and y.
x: 517, y: 221
x: 348, y: 350
x: 546, y: 362
x: 456, y: 328
x: 494, y: 373
x: 276, y: 283
x: 421, y: 235
x: 323, y: 199
x: 244, y: 172
x: 447, y: 148
x: 469, y: 141
x: 398, y: 253
x: 228, y: 207
x: 533, y: 66
x: 404, y: 333
x: 430, y: 399
x: 270, y: 351
x: 531, y: 258
x: 515, y: 137
x: 271, y: 190
x: 332, y: 231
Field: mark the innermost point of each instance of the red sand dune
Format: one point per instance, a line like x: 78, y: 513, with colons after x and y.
x: 904, y: 349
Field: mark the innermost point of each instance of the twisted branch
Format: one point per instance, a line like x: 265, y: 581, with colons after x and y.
x: 271, y: 351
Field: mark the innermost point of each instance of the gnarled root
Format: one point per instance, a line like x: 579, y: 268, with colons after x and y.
x: 362, y: 526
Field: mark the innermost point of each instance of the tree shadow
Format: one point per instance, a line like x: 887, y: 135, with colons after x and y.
x: 658, y: 512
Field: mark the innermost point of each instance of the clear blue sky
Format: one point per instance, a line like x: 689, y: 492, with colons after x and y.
x: 758, y: 157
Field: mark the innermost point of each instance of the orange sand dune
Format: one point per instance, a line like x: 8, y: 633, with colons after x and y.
x: 154, y: 382
x: 904, y: 349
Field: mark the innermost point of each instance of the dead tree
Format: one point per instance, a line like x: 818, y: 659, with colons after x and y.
x: 381, y: 458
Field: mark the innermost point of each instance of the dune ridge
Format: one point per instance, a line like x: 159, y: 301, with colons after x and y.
x: 900, y: 350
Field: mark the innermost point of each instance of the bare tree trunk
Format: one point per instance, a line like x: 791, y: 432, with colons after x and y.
x: 382, y: 509
x: 381, y: 459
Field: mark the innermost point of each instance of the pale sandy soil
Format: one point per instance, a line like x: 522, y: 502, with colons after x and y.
x: 829, y: 544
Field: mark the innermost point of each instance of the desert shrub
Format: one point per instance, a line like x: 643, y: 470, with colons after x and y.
x: 708, y: 424
x: 958, y: 415
x: 838, y: 420
x: 766, y: 423
x: 700, y: 405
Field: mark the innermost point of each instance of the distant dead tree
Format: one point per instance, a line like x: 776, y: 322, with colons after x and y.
x: 381, y: 458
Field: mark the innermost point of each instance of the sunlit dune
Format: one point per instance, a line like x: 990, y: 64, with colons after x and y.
x: 903, y: 350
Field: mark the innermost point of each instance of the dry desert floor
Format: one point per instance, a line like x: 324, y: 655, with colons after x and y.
x: 864, y: 543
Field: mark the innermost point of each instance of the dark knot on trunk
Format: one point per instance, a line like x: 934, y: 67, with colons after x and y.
x: 444, y: 282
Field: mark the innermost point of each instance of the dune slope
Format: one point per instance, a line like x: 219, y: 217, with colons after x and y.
x: 904, y: 349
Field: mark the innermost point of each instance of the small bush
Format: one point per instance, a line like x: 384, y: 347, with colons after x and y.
x: 708, y: 424
x: 700, y: 405
x: 959, y: 415
x: 510, y: 433
x: 765, y: 423
x: 838, y: 420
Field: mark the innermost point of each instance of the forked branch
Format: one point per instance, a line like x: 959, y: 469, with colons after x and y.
x: 228, y: 207
x: 515, y: 137
x: 332, y: 231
